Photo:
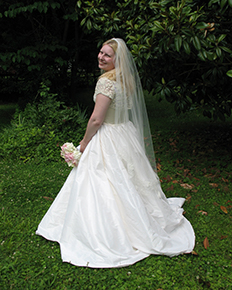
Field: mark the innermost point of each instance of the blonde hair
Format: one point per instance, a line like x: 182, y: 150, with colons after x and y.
x: 111, y: 75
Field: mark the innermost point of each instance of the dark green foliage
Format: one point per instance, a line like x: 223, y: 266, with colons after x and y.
x: 7, y: 111
x: 183, y: 49
x: 41, y: 128
x: 42, y: 40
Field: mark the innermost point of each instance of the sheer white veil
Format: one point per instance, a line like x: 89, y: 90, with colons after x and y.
x: 129, y: 100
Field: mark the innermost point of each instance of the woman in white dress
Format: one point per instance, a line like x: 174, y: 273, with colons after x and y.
x: 111, y: 211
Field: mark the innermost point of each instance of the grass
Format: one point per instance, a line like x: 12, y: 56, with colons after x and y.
x: 194, y: 160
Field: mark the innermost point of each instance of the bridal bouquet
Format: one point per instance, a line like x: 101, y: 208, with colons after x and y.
x: 71, y: 154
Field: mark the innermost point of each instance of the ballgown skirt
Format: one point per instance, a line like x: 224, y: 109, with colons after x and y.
x: 111, y: 210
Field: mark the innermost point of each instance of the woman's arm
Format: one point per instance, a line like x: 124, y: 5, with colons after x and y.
x: 98, y: 116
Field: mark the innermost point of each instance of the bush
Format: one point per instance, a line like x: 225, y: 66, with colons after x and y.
x: 38, y: 131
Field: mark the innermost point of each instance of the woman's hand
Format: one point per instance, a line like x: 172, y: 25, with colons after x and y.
x: 83, y: 146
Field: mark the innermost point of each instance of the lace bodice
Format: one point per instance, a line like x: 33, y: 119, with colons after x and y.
x: 110, y: 89
x: 105, y: 87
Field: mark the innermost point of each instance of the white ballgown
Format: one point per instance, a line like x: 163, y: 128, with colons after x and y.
x: 111, y: 210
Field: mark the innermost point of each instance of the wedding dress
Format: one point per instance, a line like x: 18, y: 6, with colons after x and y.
x: 111, y: 210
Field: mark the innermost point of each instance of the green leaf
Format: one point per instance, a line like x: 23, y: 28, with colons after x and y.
x: 155, y: 5
x: 4, y: 67
x: 83, y: 21
x: 27, y: 61
x: 210, y: 55
x: 230, y: 3
x: 89, y: 24
x: 162, y: 93
x: 218, y: 52
x: 40, y: 7
x: 186, y: 47
x: 167, y: 92
x: 211, y: 38
x: 212, y: 2
x: 3, y: 57
x: 221, y: 37
x: 229, y: 73
x: 178, y: 42
x: 11, y: 14
x: 187, y: 31
x: 148, y: 55
x: 201, y: 55
x: 171, y: 27
x: 173, y: 10
x: 135, y: 47
x: 196, y: 43
x: 202, y: 25
x: 55, y: 5
x: 226, y: 49
x: 158, y: 25
x: 223, y: 3
x: 19, y: 58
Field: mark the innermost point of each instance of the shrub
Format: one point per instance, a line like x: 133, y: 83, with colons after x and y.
x: 38, y: 131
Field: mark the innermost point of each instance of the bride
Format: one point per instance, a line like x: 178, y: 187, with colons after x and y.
x: 111, y: 210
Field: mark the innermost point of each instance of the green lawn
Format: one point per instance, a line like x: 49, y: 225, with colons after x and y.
x: 194, y: 160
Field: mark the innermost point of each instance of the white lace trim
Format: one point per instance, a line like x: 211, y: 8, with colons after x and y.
x: 105, y: 87
x: 109, y: 88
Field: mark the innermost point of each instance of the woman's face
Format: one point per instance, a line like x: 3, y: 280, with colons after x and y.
x: 106, y: 58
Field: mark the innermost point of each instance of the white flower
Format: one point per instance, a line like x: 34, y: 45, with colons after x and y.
x: 70, y: 154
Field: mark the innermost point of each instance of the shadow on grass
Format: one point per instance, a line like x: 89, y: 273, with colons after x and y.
x: 190, y: 135
x: 6, y: 114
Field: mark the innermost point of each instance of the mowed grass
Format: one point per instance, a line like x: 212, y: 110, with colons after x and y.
x: 194, y: 161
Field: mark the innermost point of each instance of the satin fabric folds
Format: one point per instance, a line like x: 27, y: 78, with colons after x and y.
x: 111, y: 211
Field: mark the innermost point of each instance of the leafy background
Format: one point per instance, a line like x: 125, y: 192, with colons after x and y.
x: 183, y: 49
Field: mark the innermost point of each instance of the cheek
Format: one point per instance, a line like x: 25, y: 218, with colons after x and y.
x: 112, y: 63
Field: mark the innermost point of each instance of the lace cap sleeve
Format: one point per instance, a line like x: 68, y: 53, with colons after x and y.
x: 105, y: 87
